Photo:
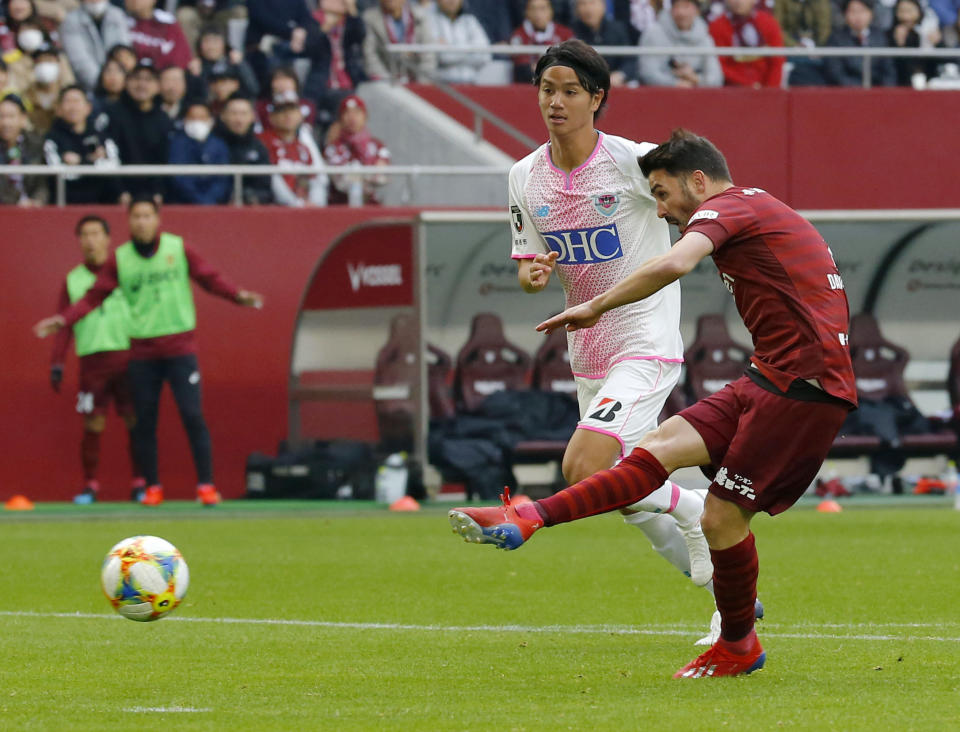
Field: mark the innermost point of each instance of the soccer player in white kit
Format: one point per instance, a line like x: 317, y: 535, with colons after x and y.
x: 580, y: 207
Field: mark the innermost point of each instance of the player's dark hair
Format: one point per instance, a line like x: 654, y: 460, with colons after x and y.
x: 684, y: 153
x: 91, y: 219
x: 143, y: 198
x: 591, y: 69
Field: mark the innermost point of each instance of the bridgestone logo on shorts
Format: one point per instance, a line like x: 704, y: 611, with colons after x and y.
x: 376, y: 275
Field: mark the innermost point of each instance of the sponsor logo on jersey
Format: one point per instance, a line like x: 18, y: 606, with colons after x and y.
x: 517, y: 216
x: 704, y: 214
x: 608, y: 410
x: 606, y: 203
x: 543, y: 211
x: 738, y: 483
x: 585, y: 246
x: 728, y: 281
x: 752, y: 191
x: 375, y: 275
x: 835, y: 280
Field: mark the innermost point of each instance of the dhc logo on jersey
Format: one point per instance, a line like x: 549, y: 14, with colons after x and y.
x: 585, y: 246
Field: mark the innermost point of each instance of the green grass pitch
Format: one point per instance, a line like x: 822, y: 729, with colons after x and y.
x: 313, y: 617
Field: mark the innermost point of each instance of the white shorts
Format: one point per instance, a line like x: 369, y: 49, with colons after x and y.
x: 627, y: 402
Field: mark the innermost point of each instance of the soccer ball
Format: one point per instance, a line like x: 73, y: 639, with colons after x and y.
x: 144, y: 577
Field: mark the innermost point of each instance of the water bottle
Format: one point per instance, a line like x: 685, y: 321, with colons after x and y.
x: 950, y: 483
x: 391, y: 482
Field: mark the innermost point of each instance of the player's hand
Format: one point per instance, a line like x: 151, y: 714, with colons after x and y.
x: 56, y: 376
x: 250, y: 299
x: 584, y: 315
x: 49, y: 325
x: 541, y: 268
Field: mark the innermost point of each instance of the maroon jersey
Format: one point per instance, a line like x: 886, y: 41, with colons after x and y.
x: 786, y: 286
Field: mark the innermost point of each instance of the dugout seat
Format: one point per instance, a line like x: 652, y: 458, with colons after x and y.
x: 714, y: 359
x: 439, y: 393
x: 487, y: 363
x: 551, y: 365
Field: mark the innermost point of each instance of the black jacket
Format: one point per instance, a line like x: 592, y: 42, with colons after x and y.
x: 848, y: 70
x: 62, y: 139
x: 248, y: 150
x: 143, y: 138
x: 610, y: 33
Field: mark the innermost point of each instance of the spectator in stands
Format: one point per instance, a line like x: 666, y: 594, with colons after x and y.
x: 280, y: 32
x: 498, y: 18
x: 42, y: 94
x: 110, y: 85
x: 20, y: 147
x: 193, y: 15
x: 451, y: 25
x: 20, y: 61
x: 283, y: 142
x: 538, y: 28
x: 141, y: 130
x: 4, y: 79
x: 87, y: 33
x: 805, y: 24
x: 283, y: 81
x: 173, y: 91
x: 74, y: 139
x: 354, y: 144
x: 906, y: 32
x: 397, y: 21
x: 857, y: 31
x: 680, y: 25
x: 156, y: 35
x: 638, y: 15
x: 345, y: 32
x: 124, y: 55
x: 54, y: 11
x: 594, y: 27
x: 15, y: 13
x: 196, y: 145
x: 947, y: 12
x: 224, y: 83
x: 236, y: 128
x: 213, y: 57
x: 745, y: 25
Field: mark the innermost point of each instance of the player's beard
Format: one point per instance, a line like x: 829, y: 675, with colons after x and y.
x: 688, y: 205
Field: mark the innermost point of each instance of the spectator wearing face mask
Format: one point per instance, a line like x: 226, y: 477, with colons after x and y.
x: 15, y: 14
x: 88, y: 32
x: 30, y: 39
x: 20, y: 147
x: 42, y: 95
x: 75, y: 139
x: 195, y: 145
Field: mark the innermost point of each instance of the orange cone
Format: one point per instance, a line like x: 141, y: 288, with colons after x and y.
x: 18, y: 503
x: 405, y: 504
x: 829, y: 506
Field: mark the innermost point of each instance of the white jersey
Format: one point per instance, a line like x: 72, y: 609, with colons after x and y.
x: 602, y: 220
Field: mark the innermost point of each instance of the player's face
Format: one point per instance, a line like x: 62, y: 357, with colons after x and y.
x: 676, y: 197
x: 94, y: 243
x: 144, y: 222
x: 564, y: 104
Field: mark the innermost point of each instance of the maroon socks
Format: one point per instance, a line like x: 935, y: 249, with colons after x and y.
x: 634, y: 478
x: 90, y: 454
x: 735, y: 573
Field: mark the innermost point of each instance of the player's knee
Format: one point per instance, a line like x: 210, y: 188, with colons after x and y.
x: 579, y: 466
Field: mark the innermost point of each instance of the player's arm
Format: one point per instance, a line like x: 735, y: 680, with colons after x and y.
x: 105, y: 283
x: 213, y: 282
x: 652, y: 276
x: 61, y: 343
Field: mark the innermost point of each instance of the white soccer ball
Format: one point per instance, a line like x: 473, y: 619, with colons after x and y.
x: 144, y: 577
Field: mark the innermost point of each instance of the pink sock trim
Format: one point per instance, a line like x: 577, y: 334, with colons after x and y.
x: 674, y: 497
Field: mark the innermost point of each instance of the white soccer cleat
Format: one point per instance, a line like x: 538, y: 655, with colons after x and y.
x: 701, y: 566
x: 714, y: 635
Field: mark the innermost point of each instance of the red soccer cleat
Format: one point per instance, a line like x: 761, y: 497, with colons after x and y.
x: 718, y: 661
x: 207, y: 494
x: 499, y: 525
x: 153, y: 496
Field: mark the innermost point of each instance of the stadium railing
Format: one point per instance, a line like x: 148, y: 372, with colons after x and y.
x: 61, y: 173
x: 866, y: 53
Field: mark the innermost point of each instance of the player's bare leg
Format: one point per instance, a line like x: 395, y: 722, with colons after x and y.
x: 677, y: 536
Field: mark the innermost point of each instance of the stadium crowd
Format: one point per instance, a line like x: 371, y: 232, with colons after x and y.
x: 127, y: 82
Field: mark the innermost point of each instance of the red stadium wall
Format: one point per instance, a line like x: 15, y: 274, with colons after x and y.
x: 813, y: 148
x: 244, y: 354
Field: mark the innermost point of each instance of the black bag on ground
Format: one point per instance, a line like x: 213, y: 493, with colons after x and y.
x: 322, y: 470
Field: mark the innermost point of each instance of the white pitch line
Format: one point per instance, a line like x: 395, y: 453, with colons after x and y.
x: 166, y: 710
x: 767, y: 630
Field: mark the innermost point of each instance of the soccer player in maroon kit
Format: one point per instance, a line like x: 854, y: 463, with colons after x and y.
x: 154, y: 271
x: 103, y: 350
x: 762, y: 438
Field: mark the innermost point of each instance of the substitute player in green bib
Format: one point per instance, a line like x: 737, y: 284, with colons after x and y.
x: 153, y: 272
x: 102, y: 341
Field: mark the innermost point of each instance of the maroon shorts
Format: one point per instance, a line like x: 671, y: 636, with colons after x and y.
x: 102, y: 382
x: 765, y: 449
